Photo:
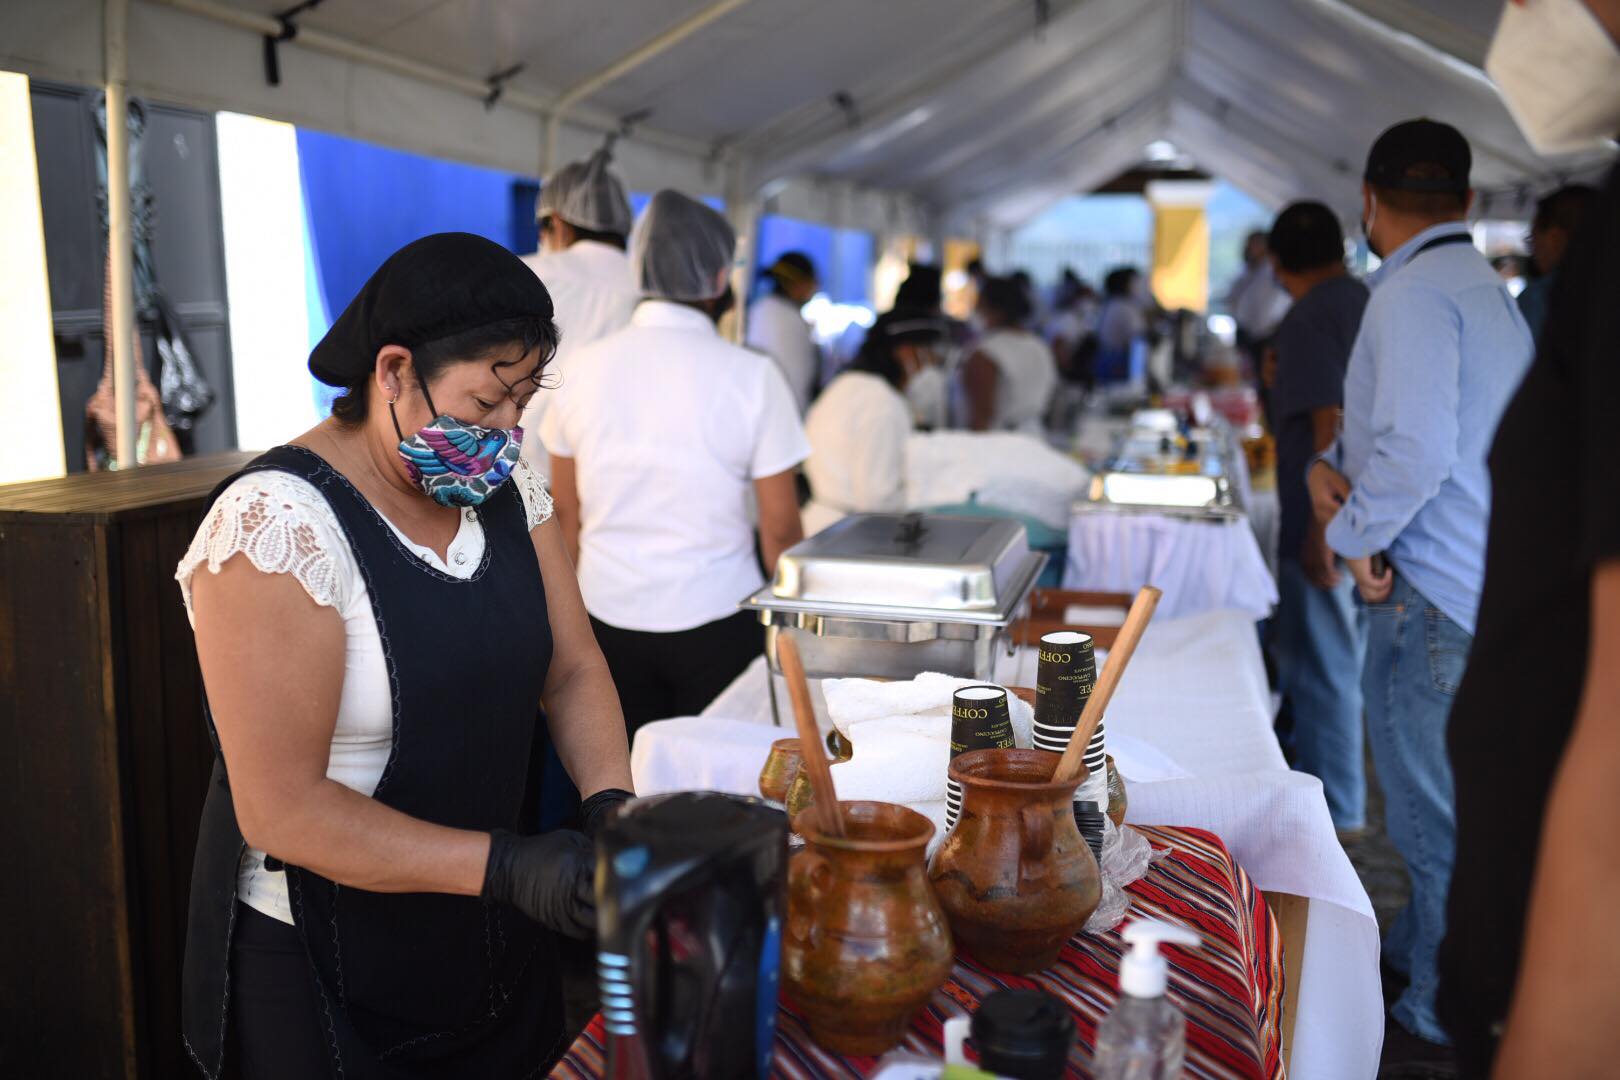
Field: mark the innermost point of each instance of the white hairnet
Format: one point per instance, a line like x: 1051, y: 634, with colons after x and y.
x: 681, y: 249
x: 587, y: 195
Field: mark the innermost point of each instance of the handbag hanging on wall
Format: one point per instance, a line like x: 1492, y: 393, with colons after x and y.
x: 184, y: 394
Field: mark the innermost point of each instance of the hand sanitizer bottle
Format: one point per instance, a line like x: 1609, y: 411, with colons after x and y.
x: 1144, y: 1037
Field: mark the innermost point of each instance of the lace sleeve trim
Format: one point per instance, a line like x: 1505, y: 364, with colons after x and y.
x: 284, y: 526
x: 537, y: 504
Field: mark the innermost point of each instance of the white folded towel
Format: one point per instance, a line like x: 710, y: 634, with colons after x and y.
x: 901, y: 735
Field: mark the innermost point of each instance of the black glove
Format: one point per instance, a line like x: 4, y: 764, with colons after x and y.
x: 600, y: 809
x: 551, y: 878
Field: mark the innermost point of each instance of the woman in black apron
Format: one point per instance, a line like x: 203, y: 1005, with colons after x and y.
x: 415, y: 932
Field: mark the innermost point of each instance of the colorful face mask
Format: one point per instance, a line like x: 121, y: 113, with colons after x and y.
x: 457, y: 464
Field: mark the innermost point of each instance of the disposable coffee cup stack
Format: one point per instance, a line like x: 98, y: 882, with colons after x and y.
x: 979, y: 721
x: 1064, y: 680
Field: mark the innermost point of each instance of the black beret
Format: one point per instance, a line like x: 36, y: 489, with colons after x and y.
x: 429, y: 289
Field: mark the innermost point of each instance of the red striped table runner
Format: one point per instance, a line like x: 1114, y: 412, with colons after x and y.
x: 1230, y: 990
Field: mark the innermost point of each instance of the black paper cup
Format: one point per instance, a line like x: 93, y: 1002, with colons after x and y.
x: 980, y: 720
x: 1065, y: 677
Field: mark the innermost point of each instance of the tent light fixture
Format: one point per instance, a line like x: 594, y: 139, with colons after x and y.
x: 289, y: 30
x: 497, y: 85
x: 844, y: 102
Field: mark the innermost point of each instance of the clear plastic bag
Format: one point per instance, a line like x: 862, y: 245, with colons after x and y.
x: 1126, y: 857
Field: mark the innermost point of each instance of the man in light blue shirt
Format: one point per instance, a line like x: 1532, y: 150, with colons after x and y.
x: 1441, y: 349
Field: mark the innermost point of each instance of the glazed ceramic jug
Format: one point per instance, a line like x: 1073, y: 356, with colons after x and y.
x: 1014, y: 876
x: 865, y: 944
x: 781, y: 766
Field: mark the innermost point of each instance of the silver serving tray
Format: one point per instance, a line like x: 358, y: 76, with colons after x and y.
x: 905, y: 568
x: 1136, y: 480
x: 1186, y: 495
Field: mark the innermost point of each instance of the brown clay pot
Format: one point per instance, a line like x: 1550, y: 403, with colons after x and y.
x: 865, y: 944
x: 1014, y: 876
x: 781, y: 766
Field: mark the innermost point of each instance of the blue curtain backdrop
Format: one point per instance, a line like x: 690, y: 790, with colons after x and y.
x: 363, y: 202
x: 844, y: 257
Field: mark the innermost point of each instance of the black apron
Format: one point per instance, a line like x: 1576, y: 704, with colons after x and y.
x: 412, y: 984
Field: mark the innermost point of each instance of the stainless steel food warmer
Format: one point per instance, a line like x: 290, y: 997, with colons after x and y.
x: 1152, y: 471
x: 892, y: 596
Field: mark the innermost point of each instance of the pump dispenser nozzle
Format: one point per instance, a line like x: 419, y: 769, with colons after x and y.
x: 1144, y: 972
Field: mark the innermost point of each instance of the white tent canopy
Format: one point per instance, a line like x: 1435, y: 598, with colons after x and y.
x: 905, y: 115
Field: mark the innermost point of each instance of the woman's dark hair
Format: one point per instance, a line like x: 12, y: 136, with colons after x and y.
x: 1306, y: 236
x: 922, y: 290
x: 1118, y: 281
x: 909, y: 326
x: 503, y: 344
x: 1007, y: 298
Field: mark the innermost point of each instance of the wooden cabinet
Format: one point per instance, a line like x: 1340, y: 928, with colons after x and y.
x: 106, y: 764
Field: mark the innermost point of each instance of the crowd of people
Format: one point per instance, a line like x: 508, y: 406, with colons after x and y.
x: 553, y: 479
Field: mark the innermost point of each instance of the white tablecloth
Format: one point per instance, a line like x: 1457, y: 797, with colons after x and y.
x: 1201, y: 565
x: 1197, y: 693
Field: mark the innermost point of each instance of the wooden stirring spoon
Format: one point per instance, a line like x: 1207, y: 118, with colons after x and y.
x: 1072, y: 761
x: 811, y: 745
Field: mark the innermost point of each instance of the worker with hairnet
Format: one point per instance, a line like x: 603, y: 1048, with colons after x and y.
x: 584, y: 220
x: 665, y: 431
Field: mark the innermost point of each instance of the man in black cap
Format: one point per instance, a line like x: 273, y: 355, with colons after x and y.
x: 1406, y: 497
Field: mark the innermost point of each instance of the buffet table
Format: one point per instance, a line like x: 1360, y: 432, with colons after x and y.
x: 1193, y: 720
x: 1229, y: 990
x: 1200, y: 565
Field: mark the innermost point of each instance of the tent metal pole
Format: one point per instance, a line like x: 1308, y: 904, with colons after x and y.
x: 625, y: 64
x: 120, y: 253
x: 744, y: 207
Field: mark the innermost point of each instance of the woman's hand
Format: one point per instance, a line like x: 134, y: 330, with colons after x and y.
x: 1374, y: 588
x: 550, y: 878
x: 1328, y: 488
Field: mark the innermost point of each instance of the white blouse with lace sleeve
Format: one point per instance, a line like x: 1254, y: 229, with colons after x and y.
x: 284, y: 525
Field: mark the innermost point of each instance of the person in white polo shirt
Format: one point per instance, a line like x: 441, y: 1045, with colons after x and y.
x: 584, y: 221
x: 664, y: 433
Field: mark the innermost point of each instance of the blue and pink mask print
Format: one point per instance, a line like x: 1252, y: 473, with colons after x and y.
x: 457, y: 464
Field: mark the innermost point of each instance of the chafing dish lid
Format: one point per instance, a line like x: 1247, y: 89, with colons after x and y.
x: 919, y: 562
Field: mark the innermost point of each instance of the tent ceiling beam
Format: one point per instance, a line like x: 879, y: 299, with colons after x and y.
x: 1087, y: 163
x: 345, y: 49
x: 627, y: 63
x: 1192, y: 91
x: 1422, y: 27
x: 1106, y: 59
x: 1103, y: 113
x: 1388, y: 101
x: 1116, y: 131
x: 909, y: 107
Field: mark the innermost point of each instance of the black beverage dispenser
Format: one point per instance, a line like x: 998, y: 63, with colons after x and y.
x: 689, y: 895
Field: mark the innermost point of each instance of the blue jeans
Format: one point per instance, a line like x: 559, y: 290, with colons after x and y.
x: 1415, y: 661
x: 1320, y: 642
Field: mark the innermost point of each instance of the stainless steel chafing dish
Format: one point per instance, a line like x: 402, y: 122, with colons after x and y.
x: 892, y: 596
x: 1154, y: 471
